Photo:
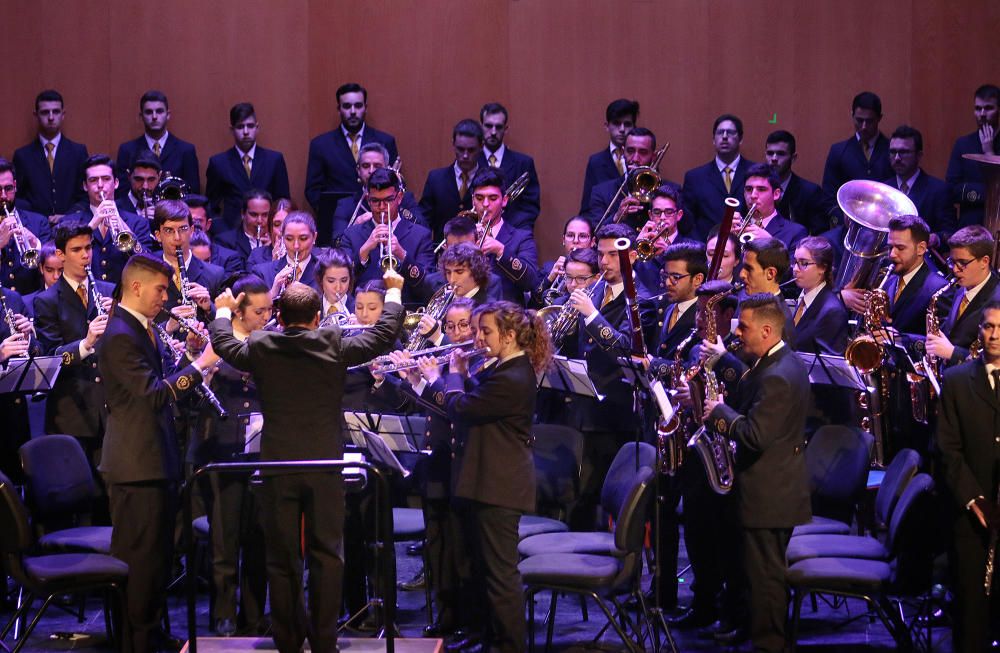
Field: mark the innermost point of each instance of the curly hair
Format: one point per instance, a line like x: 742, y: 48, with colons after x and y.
x: 467, y: 254
x: 528, y: 327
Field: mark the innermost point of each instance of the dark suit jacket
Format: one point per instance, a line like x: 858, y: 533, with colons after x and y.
x: 50, y: 192
x: 331, y: 165
x: 931, y: 197
x: 963, y: 331
x: 140, y: 443
x: 13, y: 407
x: 493, y: 423
x: 788, y: 232
x: 177, y: 156
x: 523, y: 211
x: 518, y: 267
x: 766, y: 418
x: 965, y: 179
x: 416, y: 240
x: 600, y: 168
x: 13, y: 275
x: 805, y: 203
x: 909, y: 312
x: 440, y: 201
x: 205, y: 274
x: 218, y: 440
x: 282, y: 362
x: 345, y: 209
x: 705, y: 195
x: 226, y: 180
x: 600, y: 199
x: 76, y: 403
x: 823, y: 326
x: 108, y: 261
x: 968, y: 422
x: 227, y: 259
x: 268, y: 271
x: 846, y: 161
x: 667, y: 340
x: 235, y: 241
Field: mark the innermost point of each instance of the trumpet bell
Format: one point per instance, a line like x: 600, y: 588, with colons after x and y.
x: 126, y: 242
x: 864, y: 354
x: 30, y: 259
x: 549, y: 315
x: 644, y: 249
x: 412, y: 319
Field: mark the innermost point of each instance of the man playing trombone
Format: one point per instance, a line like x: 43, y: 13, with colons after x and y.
x: 640, y: 151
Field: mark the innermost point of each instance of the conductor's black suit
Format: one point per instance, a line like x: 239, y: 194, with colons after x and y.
x: 299, y: 425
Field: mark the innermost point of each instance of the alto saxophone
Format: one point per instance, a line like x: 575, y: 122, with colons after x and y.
x: 922, y: 388
x: 672, y: 435
x: 716, y: 451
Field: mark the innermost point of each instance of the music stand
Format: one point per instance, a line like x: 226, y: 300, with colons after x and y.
x: 400, y: 432
x: 380, y: 452
x: 827, y: 369
x: 30, y: 375
x: 251, y: 435
x: 569, y: 375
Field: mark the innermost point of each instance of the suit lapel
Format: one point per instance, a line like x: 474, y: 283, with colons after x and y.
x: 981, y: 386
x: 168, y: 149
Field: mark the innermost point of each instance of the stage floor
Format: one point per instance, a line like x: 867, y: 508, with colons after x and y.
x: 354, y: 645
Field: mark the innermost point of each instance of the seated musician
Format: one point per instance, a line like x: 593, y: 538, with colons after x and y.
x: 269, y: 252
x: 730, y: 256
x: 640, y: 151
x: 684, y: 270
x: 763, y: 190
x: 665, y: 213
x: 466, y: 268
x: 252, y: 232
x: 335, y: 274
x: 820, y: 319
x: 228, y: 259
x: 371, y: 157
x: 578, y: 232
x: 298, y: 240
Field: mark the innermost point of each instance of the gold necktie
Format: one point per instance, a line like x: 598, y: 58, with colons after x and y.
x: 727, y: 178
x: 332, y: 309
x: 81, y: 292
x: 50, y: 155
x: 673, y: 318
x: 904, y: 187
x: 464, y: 188
x: 620, y: 160
x: 962, y: 306
x: 355, y: 145
x: 156, y: 148
x: 799, y: 311
x: 246, y: 164
x: 493, y: 160
x: 867, y: 149
x: 608, y: 296
x: 152, y: 336
x: 899, y: 290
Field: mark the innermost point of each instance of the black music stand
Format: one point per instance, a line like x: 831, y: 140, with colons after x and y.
x: 828, y: 369
x: 400, y: 432
x: 29, y: 375
x: 569, y: 375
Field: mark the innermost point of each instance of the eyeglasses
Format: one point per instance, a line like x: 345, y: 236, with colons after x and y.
x: 454, y: 326
x: 726, y: 132
x: 666, y: 213
x: 802, y: 264
x: 960, y: 264
x: 900, y: 153
x: 170, y: 231
x: 673, y: 277
x: 583, y: 279
x: 382, y: 200
x: 575, y: 237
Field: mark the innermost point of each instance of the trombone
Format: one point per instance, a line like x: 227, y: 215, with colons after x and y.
x: 28, y: 254
x: 123, y: 238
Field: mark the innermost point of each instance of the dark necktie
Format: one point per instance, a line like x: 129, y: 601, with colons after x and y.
x: 996, y: 383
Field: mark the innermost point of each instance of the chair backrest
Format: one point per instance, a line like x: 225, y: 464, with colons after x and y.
x: 558, y: 454
x: 630, y: 521
x: 58, y: 477
x: 916, y: 490
x: 898, y: 475
x: 837, y: 459
x: 15, y: 527
x: 630, y: 458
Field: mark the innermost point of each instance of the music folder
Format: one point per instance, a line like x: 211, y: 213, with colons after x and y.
x: 29, y: 375
x: 381, y: 453
x: 569, y: 375
x: 828, y: 369
x: 400, y: 432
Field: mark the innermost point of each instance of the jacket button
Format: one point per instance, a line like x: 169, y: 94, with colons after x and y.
x: 246, y: 389
x: 660, y: 323
x: 97, y: 379
x: 246, y: 404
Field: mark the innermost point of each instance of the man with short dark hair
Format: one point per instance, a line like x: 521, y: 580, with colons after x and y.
x: 865, y: 155
x: 220, y: 255
x: 964, y: 175
x: 281, y: 362
x: 620, y: 117
x: 144, y: 175
x: 50, y: 166
x: 707, y: 187
x: 448, y: 190
x: 176, y: 156
x: 252, y: 231
x: 32, y: 231
x: 523, y: 211
x: 172, y: 228
x: 801, y: 200
x: 929, y: 194
x: 333, y: 155
x: 244, y: 166
x: 763, y: 190
x: 640, y: 151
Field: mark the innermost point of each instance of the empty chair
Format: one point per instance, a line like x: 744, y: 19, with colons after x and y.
x: 558, y: 454
x: 837, y: 459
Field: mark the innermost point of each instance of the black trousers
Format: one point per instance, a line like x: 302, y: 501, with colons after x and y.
x: 972, y: 607
x: 669, y: 537
x: 317, y: 501
x: 764, y: 556
x: 142, y: 518
x: 449, y: 567
x: 491, y: 532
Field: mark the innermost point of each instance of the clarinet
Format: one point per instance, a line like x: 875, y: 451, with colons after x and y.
x: 201, y: 390
x: 182, y: 272
x: 95, y: 294
x: 991, y: 554
x: 8, y: 316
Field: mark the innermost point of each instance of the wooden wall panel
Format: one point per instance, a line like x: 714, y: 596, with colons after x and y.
x: 555, y: 64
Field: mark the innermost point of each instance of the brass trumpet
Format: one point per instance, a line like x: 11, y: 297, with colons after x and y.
x: 123, y: 238
x: 752, y: 217
x: 28, y: 254
x: 387, y: 260
x: 645, y: 247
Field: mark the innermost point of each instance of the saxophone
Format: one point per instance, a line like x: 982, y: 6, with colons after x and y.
x: 921, y: 387
x: 672, y: 435
x: 717, y: 453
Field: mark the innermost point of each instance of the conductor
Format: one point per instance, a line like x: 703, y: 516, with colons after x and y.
x: 304, y: 425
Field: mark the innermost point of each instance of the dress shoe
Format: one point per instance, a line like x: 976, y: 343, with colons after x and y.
x: 732, y: 637
x: 462, y: 641
x: 709, y: 632
x: 691, y: 619
x: 415, y: 549
x: 418, y: 582
x: 225, y: 627
x: 438, y: 630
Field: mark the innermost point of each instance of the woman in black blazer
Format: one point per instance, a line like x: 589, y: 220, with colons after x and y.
x: 493, y: 475
x: 820, y: 318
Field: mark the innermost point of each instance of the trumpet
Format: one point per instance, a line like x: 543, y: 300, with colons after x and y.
x: 124, y: 239
x: 752, y: 217
x: 96, y: 294
x: 387, y: 260
x: 430, y: 351
x: 28, y: 254
x: 646, y: 247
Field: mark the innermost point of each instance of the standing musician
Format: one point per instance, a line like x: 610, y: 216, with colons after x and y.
x: 448, y: 190
x: 279, y: 362
x: 578, y: 233
x: 965, y: 176
x: 177, y: 156
x: 865, y: 154
x: 766, y: 420
x: 70, y: 322
x: 665, y: 213
x: 410, y: 244
x: 172, y: 228
x: 971, y: 260
x: 493, y: 422
x: 140, y: 461
x: 33, y: 231
x: 620, y: 116
x: 801, y: 200
x: 640, y: 151
x: 298, y: 235
x: 238, y: 571
x: 707, y: 186
x: 820, y: 319
x: 511, y: 249
x: 970, y: 453
x: 371, y: 157
x: 522, y: 211
x: 99, y: 181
